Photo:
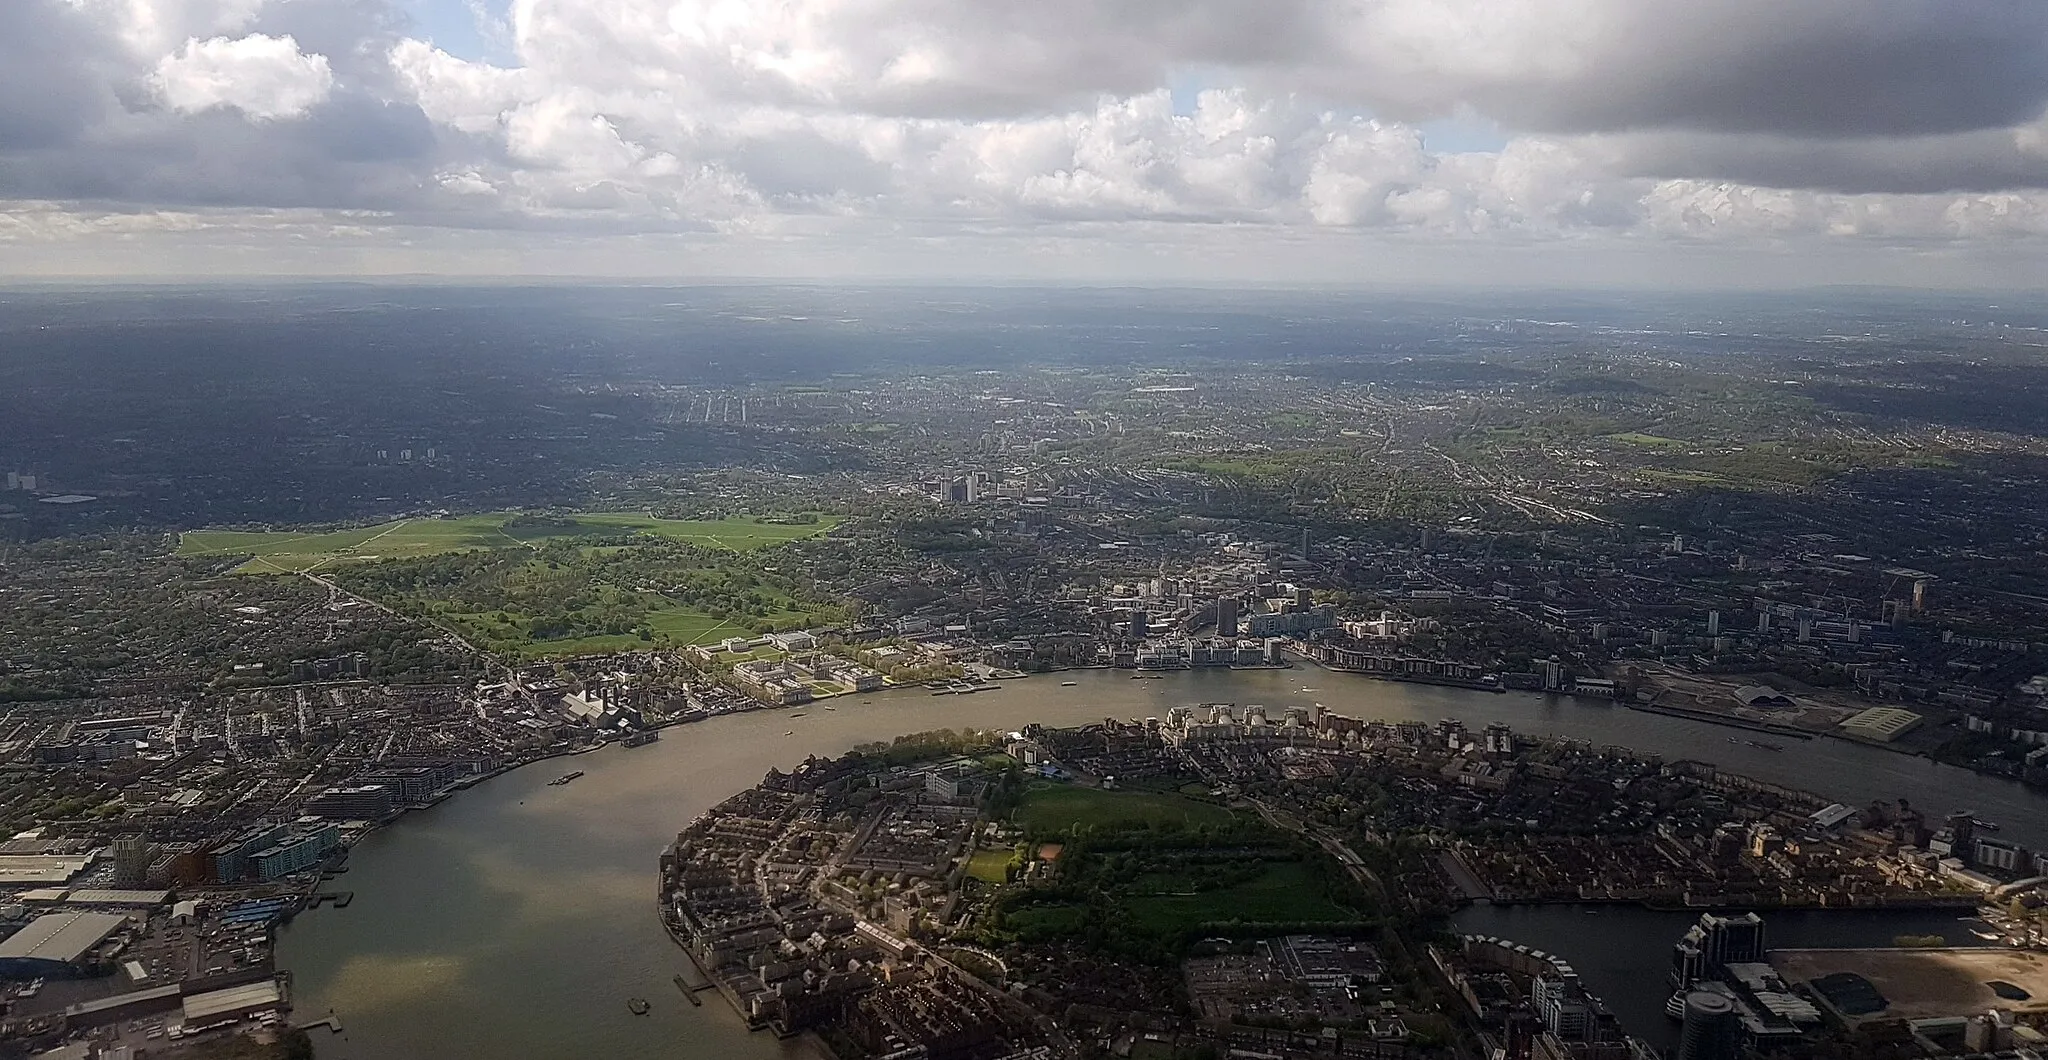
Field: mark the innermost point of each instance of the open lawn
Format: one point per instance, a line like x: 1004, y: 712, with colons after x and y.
x: 508, y: 631
x: 1283, y: 892
x: 293, y: 551
x: 1053, y: 808
x: 1046, y: 920
x: 1652, y: 441
x: 674, y: 625
x: 989, y: 866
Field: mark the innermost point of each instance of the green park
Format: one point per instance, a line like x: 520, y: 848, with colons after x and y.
x: 540, y: 585
x: 300, y: 551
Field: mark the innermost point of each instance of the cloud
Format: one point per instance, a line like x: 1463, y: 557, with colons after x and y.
x: 263, y: 77
x: 1818, y: 68
x: 1626, y: 122
x: 1973, y: 161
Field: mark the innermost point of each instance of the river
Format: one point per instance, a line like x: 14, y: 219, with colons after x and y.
x: 515, y: 919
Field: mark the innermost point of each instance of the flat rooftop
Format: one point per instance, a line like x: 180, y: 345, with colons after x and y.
x: 28, y: 870
x: 61, y: 936
x: 233, y: 1001
x: 1924, y: 984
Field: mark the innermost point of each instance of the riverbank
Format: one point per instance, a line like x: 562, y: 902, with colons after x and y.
x: 1623, y: 952
x: 1714, y: 718
x: 513, y: 920
x: 1881, y: 905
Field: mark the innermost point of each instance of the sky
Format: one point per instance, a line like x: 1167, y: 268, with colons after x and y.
x: 1663, y: 143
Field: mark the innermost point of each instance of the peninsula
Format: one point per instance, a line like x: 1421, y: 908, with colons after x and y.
x: 1224, y: 878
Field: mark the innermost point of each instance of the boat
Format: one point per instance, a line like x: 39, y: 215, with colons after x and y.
x: 791, y: 732
x: 641, y: 738
x: 1068, y: 684
x: 1766, y: 746
x: 638, y: 1005
x: 1987, y: 826
x: 565, y: 778
x: 796, y: 715
x: 836, y: 708
x: 1988, y: 936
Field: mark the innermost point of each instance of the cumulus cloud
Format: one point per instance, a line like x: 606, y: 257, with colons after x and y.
x: 1820, y: 67
x: 1712, y: 122
x: 263, y: 77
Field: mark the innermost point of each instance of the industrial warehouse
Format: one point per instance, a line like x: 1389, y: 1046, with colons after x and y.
x: 56, y: 946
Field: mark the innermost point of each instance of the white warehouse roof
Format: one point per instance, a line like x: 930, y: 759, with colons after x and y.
x: 63, y: 937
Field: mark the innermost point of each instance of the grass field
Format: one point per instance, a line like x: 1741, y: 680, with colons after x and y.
x: 292, y: 552
x: 1651, y: 441
x: 1285, y: 892
x: 989, y: 866
x: 1054, y: 808
x: 1047, y: 920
